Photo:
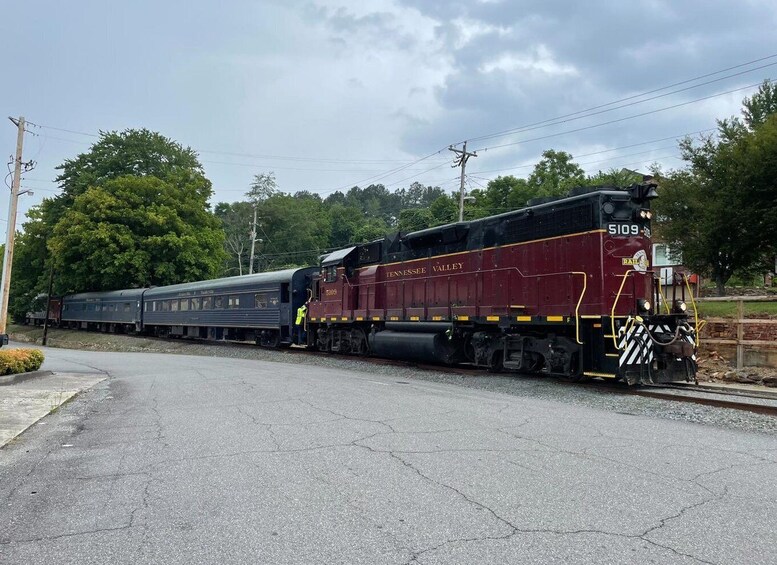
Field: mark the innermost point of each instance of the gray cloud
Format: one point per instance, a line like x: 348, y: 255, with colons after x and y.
x: 388, y: 80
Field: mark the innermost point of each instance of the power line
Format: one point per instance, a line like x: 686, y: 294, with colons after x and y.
x: 65, y: 130
x: 635, y: 96
x: 317, y: 169
x: 698, y: 132
x: 623, y: 119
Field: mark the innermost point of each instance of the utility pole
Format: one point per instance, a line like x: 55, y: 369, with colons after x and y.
x: 253, y: 243
x: 9, y: 239
x: 48, y: 306
x: 461, y: 160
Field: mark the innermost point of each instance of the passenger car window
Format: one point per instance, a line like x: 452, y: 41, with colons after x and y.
x: 174, y: 306
x: 234, y: 301
x: 260, y: 300
x: 207, y: 303
x: 196, y: 303
x: 184, y: 304
x: 218, y: 302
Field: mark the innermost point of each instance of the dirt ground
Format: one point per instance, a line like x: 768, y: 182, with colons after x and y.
x: 713, y: 367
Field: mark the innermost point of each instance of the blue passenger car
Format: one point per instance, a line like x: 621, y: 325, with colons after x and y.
x: 258, y: 307
x: 114, y: 311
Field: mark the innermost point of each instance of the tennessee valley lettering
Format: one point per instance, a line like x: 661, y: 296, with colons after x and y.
x: 415, y: 271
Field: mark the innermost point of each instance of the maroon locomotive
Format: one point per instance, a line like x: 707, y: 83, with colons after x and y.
x: 562, y: 287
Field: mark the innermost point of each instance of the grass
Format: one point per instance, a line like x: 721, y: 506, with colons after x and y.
x: 729, y: 309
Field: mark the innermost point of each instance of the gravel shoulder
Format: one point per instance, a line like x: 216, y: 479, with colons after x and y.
x: 525, y: 386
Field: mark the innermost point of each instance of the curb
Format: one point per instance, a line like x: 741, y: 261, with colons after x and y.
x: 7, y: 380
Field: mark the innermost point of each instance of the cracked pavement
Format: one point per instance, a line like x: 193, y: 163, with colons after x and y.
x: 178, y: 459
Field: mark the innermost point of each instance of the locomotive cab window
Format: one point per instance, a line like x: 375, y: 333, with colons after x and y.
x: 315, y: 293
x: 330, y: 273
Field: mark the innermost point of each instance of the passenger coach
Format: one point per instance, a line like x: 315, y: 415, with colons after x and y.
x: 256, y: 307
x: 114, y: 311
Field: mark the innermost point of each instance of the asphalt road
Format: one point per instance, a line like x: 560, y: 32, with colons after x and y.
x: 179, y: 459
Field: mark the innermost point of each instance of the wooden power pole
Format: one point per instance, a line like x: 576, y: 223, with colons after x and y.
x: 461, y: 160
x: 253, y: 243
x: 9, y: 239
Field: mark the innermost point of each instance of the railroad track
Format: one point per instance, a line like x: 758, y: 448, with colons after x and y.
x: 750, y: 401
x: 736, y: 400
x: 759, y: 402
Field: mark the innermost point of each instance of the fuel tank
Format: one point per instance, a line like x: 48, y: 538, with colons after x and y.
x: 418, y: 346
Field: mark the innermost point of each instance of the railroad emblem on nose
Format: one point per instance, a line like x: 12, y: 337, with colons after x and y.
x: 639, y: 261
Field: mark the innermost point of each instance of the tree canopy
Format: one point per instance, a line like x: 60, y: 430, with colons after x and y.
x: 135, y: 232
x: 721, y: 211
x: 133, y: 211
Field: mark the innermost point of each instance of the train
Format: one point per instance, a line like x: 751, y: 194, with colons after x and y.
x: 562, y: 287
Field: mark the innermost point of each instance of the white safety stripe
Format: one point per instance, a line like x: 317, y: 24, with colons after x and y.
x: 689, y: 339
x: 637, y: 347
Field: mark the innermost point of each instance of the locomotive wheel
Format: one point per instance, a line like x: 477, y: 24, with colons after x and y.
x: 496, y: 364
x: 577, y: 375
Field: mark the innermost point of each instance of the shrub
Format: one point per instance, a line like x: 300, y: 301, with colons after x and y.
x: 20, y: 360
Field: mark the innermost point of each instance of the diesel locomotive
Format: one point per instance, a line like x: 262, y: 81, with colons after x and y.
x: 561, y: 287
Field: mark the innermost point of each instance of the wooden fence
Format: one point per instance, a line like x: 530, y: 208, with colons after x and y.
x: 740, y: 322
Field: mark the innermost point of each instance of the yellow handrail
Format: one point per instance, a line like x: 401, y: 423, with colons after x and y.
x: 661, y: 292
x: 579, y: 301
x: 614, y: 304
x: 695, y: 311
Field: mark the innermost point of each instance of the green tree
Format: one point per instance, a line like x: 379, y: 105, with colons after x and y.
x: 137, y: 153
x: 262, y: 187
x: 721, y: 212
x: 444, y: 210
x: 372, y: 229
x: 614, y: 177
x: 555, y: 174
x: 30, y: 264
x: 135, y: 232
x: 133, y: 152
x: 414, y: 219
x: 346, y: 222
x: 757, y: 108
x: 294, y: 232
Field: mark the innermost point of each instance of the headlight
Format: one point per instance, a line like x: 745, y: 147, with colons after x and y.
x: 645, y: 214
x: 643, y: 304
x: 680, y: 306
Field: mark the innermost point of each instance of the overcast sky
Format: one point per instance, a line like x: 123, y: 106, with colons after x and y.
x: 328, y: 94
